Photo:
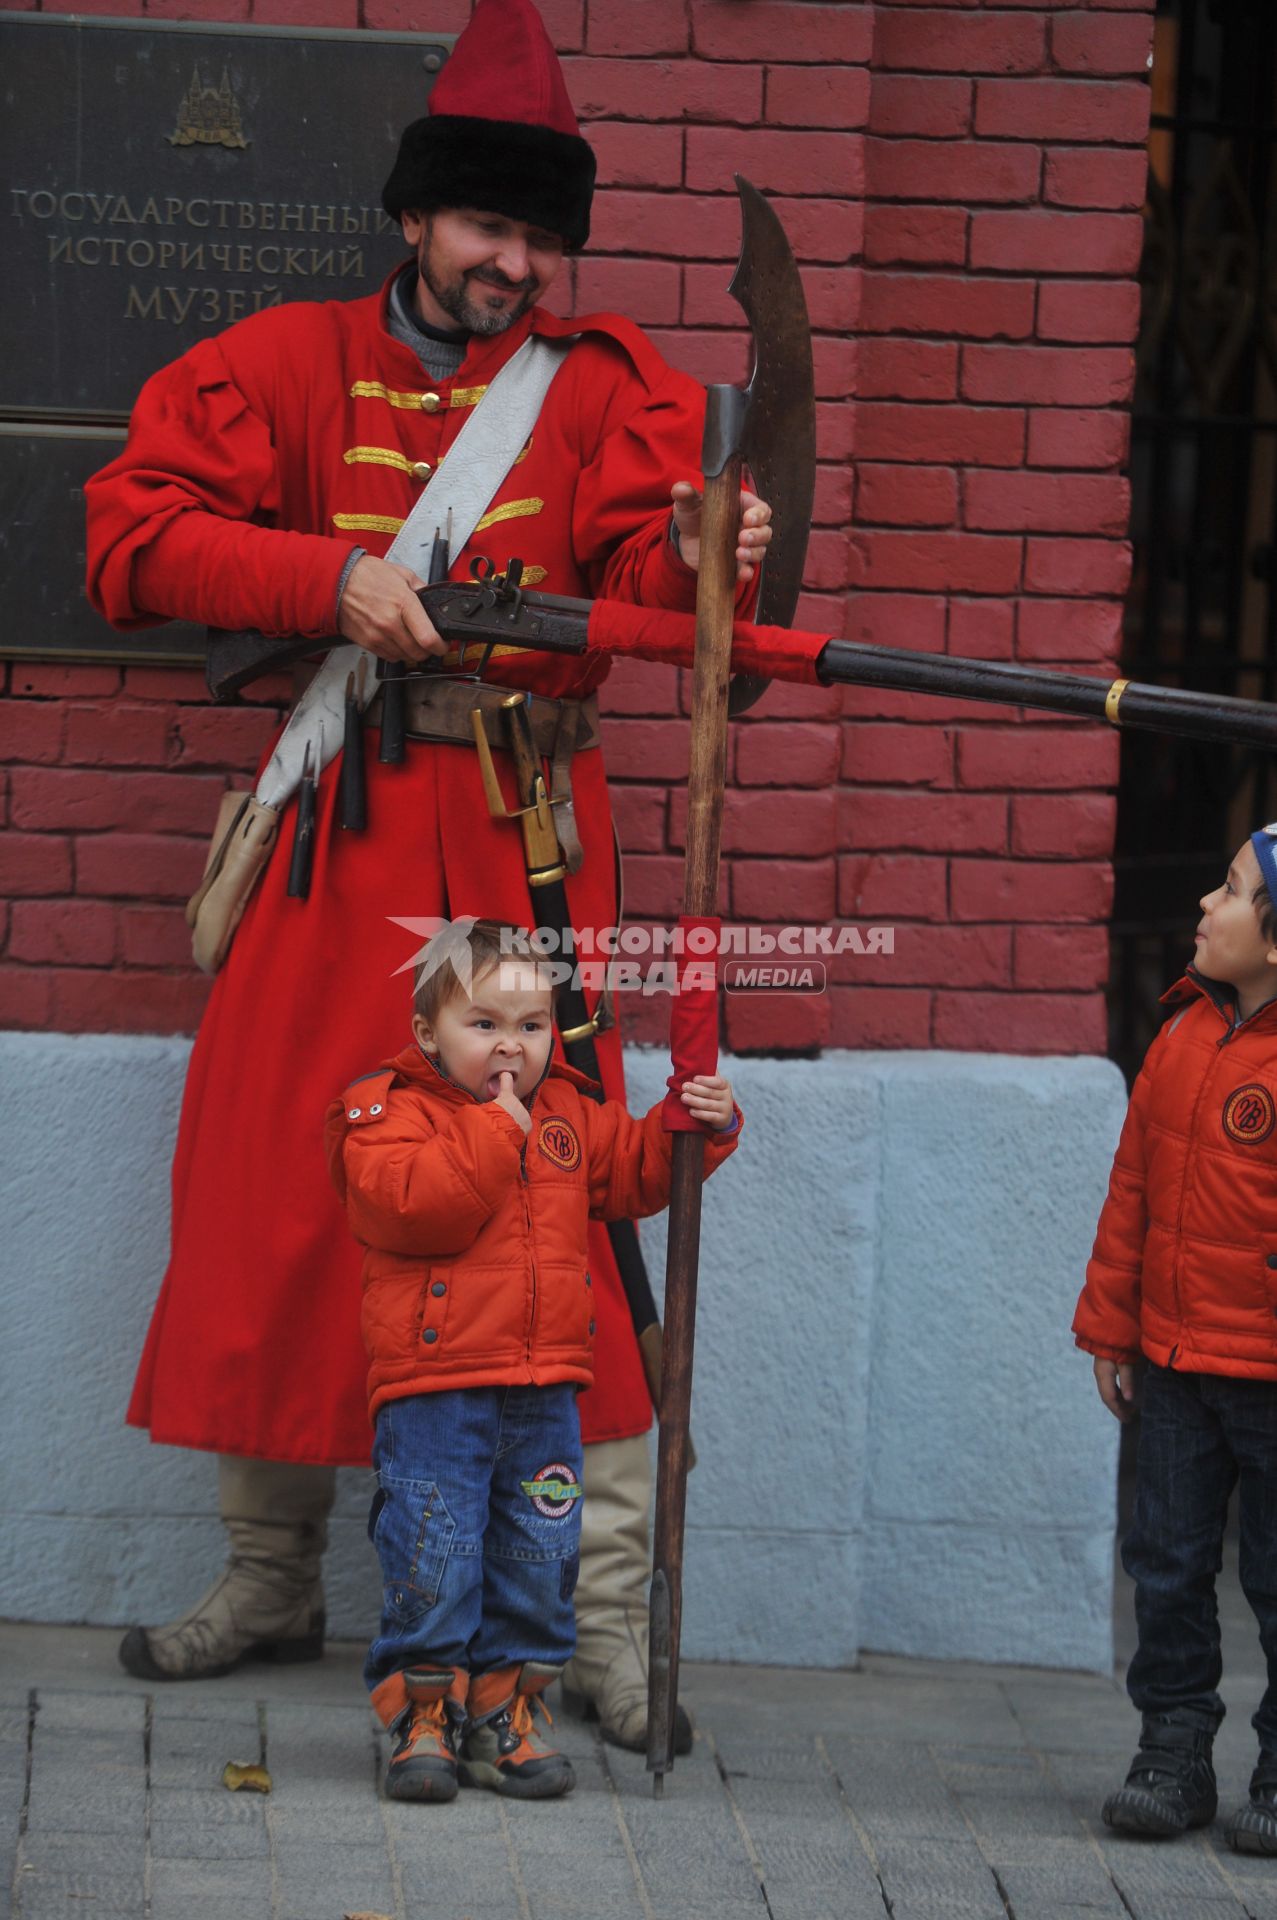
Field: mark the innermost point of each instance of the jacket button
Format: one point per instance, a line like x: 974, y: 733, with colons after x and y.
x: 1272, y: 1259
x: 438, y: 1289
x: 430, y: 1336
x: 591, y: 1326
x: 430, y: 403
x: 588, y: 1281
x: 421, y: 469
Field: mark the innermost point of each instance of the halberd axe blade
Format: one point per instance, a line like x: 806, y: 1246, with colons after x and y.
x: 778, y: 437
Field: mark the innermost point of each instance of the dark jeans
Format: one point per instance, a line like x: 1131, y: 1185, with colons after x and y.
x: 477, y: 1525
x: 1201, y: 1434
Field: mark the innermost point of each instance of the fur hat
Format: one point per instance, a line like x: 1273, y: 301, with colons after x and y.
x: 499, y: 133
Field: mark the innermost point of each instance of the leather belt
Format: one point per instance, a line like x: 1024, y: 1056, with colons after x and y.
x: 440, y: 710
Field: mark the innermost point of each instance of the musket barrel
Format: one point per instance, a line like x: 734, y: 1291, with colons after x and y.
x: 1123, y: 703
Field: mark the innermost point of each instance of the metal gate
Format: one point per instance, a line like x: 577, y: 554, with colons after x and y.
x: 1202, y: 610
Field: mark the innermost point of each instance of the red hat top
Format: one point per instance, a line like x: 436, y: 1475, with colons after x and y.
x: 503, y: 67
x: 499, y: 133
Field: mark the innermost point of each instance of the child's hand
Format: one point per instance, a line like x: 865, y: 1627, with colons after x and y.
x: 513, y: 1106
x: 1118, y: 1383
x: 708, y: 1097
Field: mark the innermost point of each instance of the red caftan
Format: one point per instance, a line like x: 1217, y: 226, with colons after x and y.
x: 254, y: 464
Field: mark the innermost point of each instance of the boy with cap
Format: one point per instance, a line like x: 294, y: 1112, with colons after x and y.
x: 1179, y: 1311
x: 470, y: 1166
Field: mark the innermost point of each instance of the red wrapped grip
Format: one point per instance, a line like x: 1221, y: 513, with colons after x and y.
x: 693, y: 1019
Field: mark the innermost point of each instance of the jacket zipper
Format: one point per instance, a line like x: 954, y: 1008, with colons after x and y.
x: 1189, y: 1166
x: 532, y: 1265
x: 523, y: 1189
x: 1231, y: 1028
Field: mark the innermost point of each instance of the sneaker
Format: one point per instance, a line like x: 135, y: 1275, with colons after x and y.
x: 1171, y: 1783
x: 501, y: 1747
x: 423, y: 1765
x: 1253, y: 1828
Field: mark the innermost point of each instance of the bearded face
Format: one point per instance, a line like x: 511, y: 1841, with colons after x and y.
x: 479, y: 271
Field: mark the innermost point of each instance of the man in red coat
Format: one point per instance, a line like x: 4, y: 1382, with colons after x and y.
x: 266, y: 473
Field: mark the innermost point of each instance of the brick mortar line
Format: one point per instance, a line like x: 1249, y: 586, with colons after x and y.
x: 853, y: 1820
x: 512, y: 1855
x: 742, y: 1826
x: 33, y: 1708
x: 956, y: 1800
x: 387, y: 1826
x: 268, y: 1811
x: 1044, y: 1764
x: 627, y: 1838
x: 148, y: 1858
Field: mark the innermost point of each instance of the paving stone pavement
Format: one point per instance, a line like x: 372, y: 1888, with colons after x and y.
x: 911, y: 1789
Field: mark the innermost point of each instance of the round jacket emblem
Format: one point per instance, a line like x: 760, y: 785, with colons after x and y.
x: 554, y: 1491
x: 1249, y: 1116
x: 558, y: 1142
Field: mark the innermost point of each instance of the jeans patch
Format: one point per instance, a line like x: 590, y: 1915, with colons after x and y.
x: 554, y: 1491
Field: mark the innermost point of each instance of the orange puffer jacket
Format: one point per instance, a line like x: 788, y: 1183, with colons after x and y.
x: 475, y: 1236
x: 1184, y: 1267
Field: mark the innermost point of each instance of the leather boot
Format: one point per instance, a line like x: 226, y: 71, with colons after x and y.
x: 500, y: 1747
x: 424, y: 1707
x: 1170, y: 1786
x: 268, y: 1603
x: 606, y: 1680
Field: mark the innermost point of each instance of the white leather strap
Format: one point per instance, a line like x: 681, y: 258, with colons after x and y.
x: 477, y: 462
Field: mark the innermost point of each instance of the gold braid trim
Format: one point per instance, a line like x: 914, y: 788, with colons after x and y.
x: 367, y: 522
x: 375, y: 390
x: 415, y: 402
x: 377, y: 457
x: 511, y: 510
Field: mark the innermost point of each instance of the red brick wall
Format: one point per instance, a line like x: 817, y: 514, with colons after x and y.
x: 962, y: 186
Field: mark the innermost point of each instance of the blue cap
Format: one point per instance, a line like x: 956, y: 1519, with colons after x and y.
x: 1265, y: 844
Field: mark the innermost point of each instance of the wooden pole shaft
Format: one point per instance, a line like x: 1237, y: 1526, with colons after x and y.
x: 712, y: 662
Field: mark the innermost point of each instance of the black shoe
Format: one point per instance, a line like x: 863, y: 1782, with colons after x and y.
x: 1171, y: 1783
x: 1253, y: 1828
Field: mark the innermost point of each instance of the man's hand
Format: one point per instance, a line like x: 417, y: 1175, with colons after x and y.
x: 380, y: 610
x: 708, y: 1098
x: 1118, y: 1383
x: 508, y: 1099
x: 755, y: 529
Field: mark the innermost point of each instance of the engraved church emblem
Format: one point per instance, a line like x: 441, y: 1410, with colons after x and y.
x: 208, y: 116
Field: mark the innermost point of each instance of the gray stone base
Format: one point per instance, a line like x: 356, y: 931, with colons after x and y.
x: 899, y: 1447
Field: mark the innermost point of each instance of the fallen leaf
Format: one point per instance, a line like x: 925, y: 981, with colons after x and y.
x: 365, y: 1916
x: 243, y: 1776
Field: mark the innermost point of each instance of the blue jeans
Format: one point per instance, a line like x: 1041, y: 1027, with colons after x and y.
x: 477, y: 1525
x: 1201, y: 1434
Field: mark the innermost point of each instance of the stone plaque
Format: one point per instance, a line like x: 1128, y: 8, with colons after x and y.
x: 163, y: 181
x: 160, y: 182
x: 47, y: 617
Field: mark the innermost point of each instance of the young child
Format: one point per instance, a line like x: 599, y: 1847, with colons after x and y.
x: 470, y: 1166
x: 1181, y: 1289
